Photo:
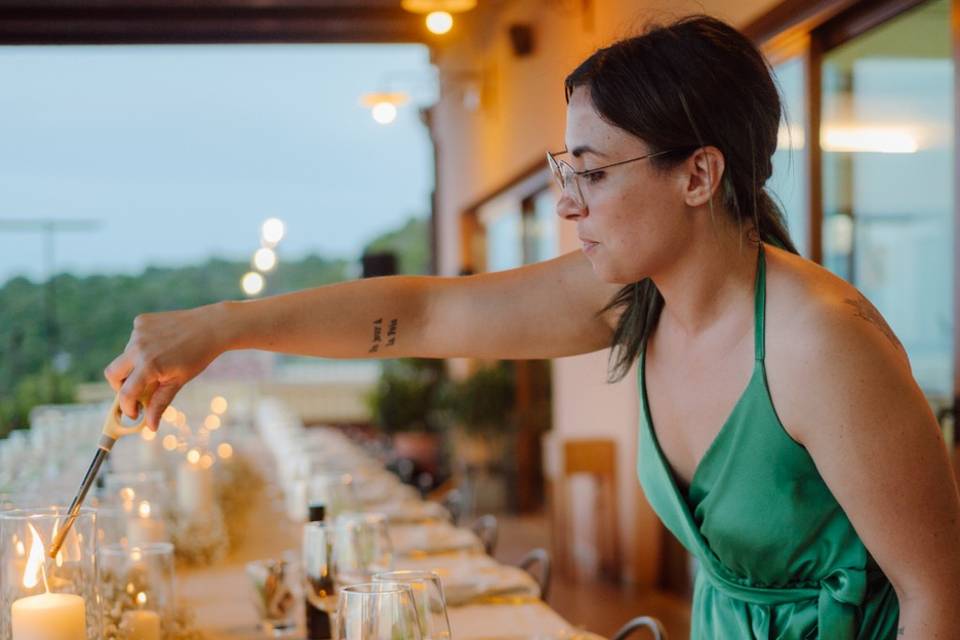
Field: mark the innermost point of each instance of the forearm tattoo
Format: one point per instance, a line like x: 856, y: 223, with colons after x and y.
x: 866, y: 311
x: 381, y: 340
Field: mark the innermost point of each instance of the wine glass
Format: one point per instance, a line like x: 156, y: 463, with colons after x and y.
x: 428, y: 597
x: 361, y: 547
x: 377, y: 611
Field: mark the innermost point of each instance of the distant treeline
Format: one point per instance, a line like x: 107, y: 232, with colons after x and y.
x: 92, y: 316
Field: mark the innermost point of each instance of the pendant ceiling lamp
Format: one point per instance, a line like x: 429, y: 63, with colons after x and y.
x: 439, y: 12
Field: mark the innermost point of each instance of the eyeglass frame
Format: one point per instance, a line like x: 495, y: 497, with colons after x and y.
x: 556, y: 168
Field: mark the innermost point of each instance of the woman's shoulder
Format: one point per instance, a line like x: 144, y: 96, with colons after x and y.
x: 811, y: 304
x: 821, y: 331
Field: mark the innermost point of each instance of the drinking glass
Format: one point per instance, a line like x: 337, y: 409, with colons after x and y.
x: 361, y: 547
x: 428, y: 597
x: 377, y: 611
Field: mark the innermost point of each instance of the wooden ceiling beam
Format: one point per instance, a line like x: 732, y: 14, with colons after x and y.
x: 214, y: 22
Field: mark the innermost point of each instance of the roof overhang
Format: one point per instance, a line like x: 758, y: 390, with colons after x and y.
x: 206, y: 21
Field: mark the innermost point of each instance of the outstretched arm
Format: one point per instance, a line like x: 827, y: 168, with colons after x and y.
x: 544, y: 310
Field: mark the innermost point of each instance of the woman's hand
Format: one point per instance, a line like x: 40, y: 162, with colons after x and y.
x: 165, y: 351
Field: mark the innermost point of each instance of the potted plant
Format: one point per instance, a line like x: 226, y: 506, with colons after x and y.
x: 482, y: 407
x: 403, y: 404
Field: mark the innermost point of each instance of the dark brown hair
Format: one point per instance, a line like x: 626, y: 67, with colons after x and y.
x: 693, y: 83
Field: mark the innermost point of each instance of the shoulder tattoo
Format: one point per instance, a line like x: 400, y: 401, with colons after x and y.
x: 863, y: 309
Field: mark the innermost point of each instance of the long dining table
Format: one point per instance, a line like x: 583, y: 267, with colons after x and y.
x: 505, y: 606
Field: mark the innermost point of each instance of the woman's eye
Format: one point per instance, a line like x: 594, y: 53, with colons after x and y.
x: 594, y: 176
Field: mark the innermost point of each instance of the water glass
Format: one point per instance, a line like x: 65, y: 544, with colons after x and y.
x: 377, y: 611
x: 428, y: 597
x: 361, y: 547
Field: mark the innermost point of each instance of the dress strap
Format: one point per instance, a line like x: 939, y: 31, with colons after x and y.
x: 759, y: 302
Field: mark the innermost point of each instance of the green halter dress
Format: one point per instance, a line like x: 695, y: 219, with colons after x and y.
x: 777, y: 556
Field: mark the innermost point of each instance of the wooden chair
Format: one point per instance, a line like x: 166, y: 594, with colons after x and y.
x: 538, y: 557
x: 598, y: 459
x: 643, y: 622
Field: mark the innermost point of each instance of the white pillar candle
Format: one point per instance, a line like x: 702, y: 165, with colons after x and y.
x: 143, y: 528
x: 140, y: 625
x: 146, y: 530
x: 49, y: 616
x: 194, y: 488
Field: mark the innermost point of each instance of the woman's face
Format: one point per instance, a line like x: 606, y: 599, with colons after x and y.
x: 633, y: 220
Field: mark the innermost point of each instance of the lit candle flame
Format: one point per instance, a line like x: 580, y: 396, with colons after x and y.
x: 141, y: 598
x: 21, y: 551
x: 144, y: 509
x: 31, y: 574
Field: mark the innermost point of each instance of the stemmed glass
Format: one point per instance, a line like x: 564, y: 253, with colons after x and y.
x: 377, y: 611
x: 361, y: 547
x: 427, y: 591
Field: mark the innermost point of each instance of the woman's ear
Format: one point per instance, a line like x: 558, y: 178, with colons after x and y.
x: 704, y: 171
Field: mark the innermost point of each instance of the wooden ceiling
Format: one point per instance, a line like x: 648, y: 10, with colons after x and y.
x: 206, y: 21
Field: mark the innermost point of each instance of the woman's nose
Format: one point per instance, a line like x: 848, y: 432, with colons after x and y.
x: 568, y: 208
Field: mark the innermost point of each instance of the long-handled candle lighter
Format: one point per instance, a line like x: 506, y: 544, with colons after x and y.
x: 113, y: 429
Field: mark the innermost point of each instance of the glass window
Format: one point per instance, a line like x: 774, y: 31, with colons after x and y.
x: 788, y: 182
x: 887, y: 139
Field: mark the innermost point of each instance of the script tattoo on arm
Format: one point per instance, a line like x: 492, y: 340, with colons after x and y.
x: 866, y: 311
x: 378, y: 335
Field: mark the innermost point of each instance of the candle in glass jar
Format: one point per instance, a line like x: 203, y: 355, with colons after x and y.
x: 141, y: 624
x: 143, y: 529
x: 194, y: 486
x: 49, y: 616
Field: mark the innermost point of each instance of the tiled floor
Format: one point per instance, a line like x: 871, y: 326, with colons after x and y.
x: 600, y: 607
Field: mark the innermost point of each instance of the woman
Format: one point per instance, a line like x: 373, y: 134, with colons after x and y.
x: 783, y: 439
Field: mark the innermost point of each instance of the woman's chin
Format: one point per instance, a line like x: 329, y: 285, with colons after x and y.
x: 608, y: 273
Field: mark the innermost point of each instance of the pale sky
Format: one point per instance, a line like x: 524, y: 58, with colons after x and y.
x: 181, y: 151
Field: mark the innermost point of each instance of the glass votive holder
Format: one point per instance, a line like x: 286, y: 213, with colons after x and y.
x: 43, y: 597
x: 136, y: 588
x: 136, y: 491
x: 275, y: 586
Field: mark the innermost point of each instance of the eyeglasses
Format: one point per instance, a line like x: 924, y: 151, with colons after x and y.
x: 569, y: 178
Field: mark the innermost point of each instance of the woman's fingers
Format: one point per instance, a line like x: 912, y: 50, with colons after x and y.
x: 133, y: 389
x: 118, y: 370
x: 159, y: 402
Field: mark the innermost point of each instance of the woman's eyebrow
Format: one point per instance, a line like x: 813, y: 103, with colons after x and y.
x: 576, y: 152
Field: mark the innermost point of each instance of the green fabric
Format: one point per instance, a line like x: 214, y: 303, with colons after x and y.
x: 777, y: 556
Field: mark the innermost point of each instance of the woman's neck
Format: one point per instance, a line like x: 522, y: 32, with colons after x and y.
x: 708, y: 290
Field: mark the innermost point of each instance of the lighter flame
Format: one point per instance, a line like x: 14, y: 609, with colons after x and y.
x: 31, y: 574
x: 144, y: 509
